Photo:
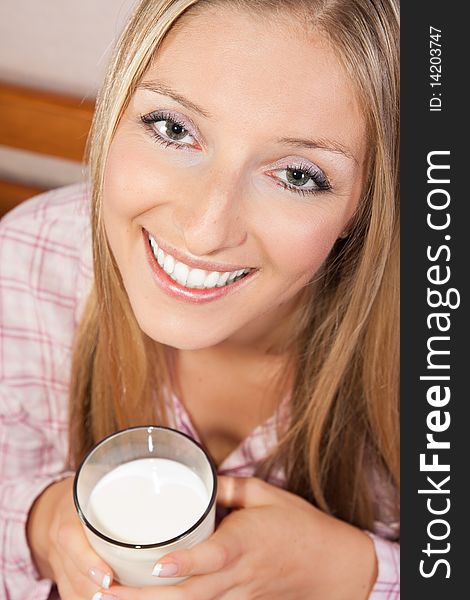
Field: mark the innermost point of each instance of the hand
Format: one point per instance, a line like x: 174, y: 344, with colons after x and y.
x: 59, y: 546
x: 277, y: 546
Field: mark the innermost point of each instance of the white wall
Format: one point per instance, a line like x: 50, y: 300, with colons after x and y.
x: 57, y: 45
x: 62, y: 45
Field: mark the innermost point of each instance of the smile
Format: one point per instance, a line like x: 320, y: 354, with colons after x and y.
x: 197, y: 282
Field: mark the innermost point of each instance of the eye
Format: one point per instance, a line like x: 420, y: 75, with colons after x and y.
x: 173, y: 130
x: 303, y: 179
x: 168, y: 130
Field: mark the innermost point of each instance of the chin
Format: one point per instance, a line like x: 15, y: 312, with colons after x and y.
x: 182, y: 338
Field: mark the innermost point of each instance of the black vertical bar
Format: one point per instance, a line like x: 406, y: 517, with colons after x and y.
x: 435, y: 259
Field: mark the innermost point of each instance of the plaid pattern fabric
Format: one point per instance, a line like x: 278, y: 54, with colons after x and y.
x: 45, y: 276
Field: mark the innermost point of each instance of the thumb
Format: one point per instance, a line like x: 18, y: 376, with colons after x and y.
x: 245, y: 492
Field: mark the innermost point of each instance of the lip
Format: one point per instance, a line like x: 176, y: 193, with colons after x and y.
x: 193, y: 263
x: 193, y: 295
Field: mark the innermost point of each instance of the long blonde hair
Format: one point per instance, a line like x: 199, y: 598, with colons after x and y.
x: 344, y: 400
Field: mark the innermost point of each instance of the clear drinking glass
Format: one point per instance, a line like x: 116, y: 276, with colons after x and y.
x: 132, y: 563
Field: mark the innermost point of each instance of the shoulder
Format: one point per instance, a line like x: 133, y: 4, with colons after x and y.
x: 52, y: 219
x: 66, y: 205
x: 45, y: 242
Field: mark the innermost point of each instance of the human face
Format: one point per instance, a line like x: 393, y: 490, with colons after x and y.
x: 241, y: 153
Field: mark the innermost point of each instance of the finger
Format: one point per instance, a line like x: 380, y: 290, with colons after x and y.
x: 201, y: 587
x: 80, y: 586
x: 71, y: 583
x: 73, y: 542
x: 244, y: 492
x: 122, y: 592
x: 210, y: 556
x: 234, y: 593
x: 209, y: 587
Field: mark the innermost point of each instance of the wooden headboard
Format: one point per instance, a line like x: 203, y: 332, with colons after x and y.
x: 44, y: 123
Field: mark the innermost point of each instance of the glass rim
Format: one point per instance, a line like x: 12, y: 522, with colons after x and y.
x: 170, y: 541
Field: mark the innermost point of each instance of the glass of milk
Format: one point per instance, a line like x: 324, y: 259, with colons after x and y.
x: 144, y: 492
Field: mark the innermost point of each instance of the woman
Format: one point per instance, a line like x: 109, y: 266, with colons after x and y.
x: 244, y: 228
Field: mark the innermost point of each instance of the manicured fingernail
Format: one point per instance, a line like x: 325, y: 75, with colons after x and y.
x: 165, y: 570
x: 100, y: 578
x: 101, y: 596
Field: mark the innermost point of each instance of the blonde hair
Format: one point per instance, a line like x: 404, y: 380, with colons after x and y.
x: 344, y: 400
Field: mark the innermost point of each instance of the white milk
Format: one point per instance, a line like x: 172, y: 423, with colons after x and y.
x: 147, y: 501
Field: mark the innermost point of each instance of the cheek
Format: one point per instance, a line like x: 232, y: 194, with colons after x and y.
x: 299, y: 246
x: 135, y: 180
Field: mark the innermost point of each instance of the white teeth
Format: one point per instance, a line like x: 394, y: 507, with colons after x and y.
x: 169, y: 264
x: 223, y: 279
x: 196, y: 278
x: 192, y: 278
x: 180, y: 273
x: 212, y: 279
x: 154, y: 245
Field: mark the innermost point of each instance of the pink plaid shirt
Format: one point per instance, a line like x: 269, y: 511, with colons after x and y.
x: 45, y: 275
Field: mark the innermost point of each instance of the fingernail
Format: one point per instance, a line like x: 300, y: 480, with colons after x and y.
x: 100, y: 578
x: 101, y: 596
x: 165, y: 570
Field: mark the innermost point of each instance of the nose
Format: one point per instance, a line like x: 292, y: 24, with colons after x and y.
x: 209, y: 213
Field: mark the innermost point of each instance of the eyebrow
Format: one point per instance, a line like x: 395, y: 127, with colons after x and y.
x: 322, y: 144
x: 159, y: 87
x: 162, y: 88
